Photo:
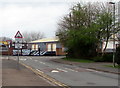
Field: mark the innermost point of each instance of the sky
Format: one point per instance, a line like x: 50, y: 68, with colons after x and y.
x: 34, y: 15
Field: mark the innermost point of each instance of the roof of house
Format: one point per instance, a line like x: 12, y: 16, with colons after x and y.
x: 54, y: 39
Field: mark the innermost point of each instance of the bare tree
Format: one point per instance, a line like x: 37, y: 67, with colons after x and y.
x: 5, y: 38
x: 31, y: 36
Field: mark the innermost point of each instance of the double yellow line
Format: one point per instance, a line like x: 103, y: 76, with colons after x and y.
x: 57, y: 83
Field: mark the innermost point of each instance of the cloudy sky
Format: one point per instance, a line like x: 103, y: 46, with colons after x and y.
x: 34, y: 15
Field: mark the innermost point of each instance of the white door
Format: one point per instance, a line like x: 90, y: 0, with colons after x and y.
x: 54, y: 47
x: 49, y: 47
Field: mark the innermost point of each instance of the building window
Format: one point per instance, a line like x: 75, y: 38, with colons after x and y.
x: 34, y: 47
x: 51, y: 47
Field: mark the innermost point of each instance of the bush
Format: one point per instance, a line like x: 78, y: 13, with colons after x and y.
x: 104, y: 58
x: 117, y: 55
x: 98, y: 59
x: 108, y: 57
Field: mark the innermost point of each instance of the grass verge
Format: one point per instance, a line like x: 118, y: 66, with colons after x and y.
x: 78, y: 60
x: 117, y: 66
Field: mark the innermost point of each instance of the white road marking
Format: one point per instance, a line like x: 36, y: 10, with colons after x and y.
x: 54, y: 71
x: 71, y: 69
x: 23, y: 59
x: 61, y: 70
x: 39, y: 71
x: 30, y: 58
x: 93, y: 70
x: 36, y: 60
x: 41, y: 62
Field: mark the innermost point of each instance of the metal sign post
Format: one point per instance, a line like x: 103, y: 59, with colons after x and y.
x: 18, y: 58
x: 18, y: 39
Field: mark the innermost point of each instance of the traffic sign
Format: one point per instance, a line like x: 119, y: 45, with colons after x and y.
x: 18, y: 45
x: 18, y: 35
x: 18, y: 39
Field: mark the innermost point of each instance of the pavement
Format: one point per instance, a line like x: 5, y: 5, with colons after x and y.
x: 99, y: 66
x: 14, y: 74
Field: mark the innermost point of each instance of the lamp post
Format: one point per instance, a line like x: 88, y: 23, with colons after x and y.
x: 113, y: 33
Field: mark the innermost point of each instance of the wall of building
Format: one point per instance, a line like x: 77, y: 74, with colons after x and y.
x: 49, y: 47
x: 109, y: 46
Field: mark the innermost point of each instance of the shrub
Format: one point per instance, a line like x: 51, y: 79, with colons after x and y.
x: 108, y: 57
x: 117, y: 55
x: 105, y: 58
x: 98, y: 59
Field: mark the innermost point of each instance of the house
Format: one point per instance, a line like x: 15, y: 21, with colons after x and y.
x: 48, y: 46
x: 110, y: 46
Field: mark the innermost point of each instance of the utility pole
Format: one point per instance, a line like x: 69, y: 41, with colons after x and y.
x: 114, y: 46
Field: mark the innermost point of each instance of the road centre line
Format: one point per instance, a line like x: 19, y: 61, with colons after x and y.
x: 30, y: 58
x: 71, y: 69
x: 61, y: 70
x: 23, y: 59
x: 36, y: 60
x: 41, y: 62
x: 94, y: 70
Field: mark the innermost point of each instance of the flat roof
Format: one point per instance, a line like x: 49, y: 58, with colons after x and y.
x: 54, y: 39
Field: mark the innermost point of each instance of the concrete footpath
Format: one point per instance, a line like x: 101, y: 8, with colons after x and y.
x: 99, y: 66
x: 14, y: 76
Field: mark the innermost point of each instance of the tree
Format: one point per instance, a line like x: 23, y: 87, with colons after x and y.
x: 84, y: 28
x: 5, y: 38
x: 117, y: 55
x: 118, y: 37
x: 31, y: 36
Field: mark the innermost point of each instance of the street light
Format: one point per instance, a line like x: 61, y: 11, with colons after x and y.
x: 113, y: 33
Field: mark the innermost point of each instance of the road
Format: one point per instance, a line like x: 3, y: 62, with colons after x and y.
x: 69, y: 74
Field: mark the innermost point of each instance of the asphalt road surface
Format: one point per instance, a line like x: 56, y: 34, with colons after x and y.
x: 69, y: 74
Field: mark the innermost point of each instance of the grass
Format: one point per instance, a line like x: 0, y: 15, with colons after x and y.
x: 78, y: 60
x: 117, y: 66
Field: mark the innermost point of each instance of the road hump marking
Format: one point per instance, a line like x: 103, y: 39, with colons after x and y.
x: 54, y: 71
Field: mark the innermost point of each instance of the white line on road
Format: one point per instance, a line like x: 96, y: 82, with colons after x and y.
x: 23, y: 59
x: 41, y: 62
x: 71, y: 69
x: 30, y: 58
x: 61, y: 70
x: 93, y: 70
x: 36, y: 60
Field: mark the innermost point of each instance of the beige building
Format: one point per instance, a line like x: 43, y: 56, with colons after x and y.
x: 48, y: 46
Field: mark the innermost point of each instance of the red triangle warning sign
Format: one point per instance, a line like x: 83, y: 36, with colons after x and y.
x: 18, y: 35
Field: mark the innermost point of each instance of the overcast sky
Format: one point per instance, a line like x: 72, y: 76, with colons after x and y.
x: 33, y: 15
